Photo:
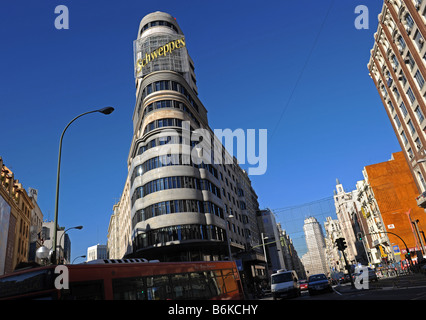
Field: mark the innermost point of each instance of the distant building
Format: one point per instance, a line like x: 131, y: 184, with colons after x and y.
x: 274, y: 251
x: 290, y: 256
x: 15, y: 221
x: 334, y: 258
x: 98, y: 251
x: 36, y: 225
x: 314, y: 260
x: 348, y: 210
x: 63, y: 242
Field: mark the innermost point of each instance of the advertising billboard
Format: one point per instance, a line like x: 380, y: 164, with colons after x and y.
x: 160, y: 52
x: 4, y: 230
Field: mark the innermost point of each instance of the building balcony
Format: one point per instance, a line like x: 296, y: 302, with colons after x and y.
x: 421, y: 200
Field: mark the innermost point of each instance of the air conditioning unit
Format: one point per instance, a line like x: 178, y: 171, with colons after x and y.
x: 421, y: 40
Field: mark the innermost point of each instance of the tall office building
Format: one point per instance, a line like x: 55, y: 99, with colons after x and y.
x: 174, y: 208
x: 98, y: 251
x: 397, y: 67
x: 314, y: 260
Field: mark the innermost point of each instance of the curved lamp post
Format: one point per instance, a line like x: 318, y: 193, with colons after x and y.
x: 77, y: 258
x: 106, y: 110
x: 60, y: 239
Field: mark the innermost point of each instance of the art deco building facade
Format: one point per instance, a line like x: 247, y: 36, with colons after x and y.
x: 173, y: 208
x: 15, y: 221
x: 398, y: 68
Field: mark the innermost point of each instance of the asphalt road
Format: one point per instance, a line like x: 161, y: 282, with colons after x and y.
x: 411, y: 287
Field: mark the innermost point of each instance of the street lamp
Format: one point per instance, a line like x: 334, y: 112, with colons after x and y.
x: 42, y: 253
x: 106, y: 111
x: 60, y: 239
x: 264, y: 252
x: 77, y: 258
x: 230, y: 216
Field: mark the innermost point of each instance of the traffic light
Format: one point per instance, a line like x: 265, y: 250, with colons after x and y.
x: 359, y: 236
x: 408, y: 255
x: 341, y: 244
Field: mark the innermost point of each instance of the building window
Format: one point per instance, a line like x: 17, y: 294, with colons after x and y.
x: 419, y: 79
x: 391, y: 108
x: 404, y: 138
x: 409, y: 20
x: 410, y: 60
x: 422, y: 180
x: 401, y: 42
x: 174, y: 183
x: 419, y: 114
x: 395, y: 61
x: 402, y: 78
x: 418, y: 144
x: 398, y: 123
x: 419, y: 40
x: 411, y: 126
x: 397, y: 95
x: 410, y: 95
x: 403, y: 109
x: 410, y: 153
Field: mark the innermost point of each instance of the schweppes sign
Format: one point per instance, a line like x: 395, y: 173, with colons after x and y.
x: 145, y: 59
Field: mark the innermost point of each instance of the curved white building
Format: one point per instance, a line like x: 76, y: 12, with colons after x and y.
x: 179, y: 210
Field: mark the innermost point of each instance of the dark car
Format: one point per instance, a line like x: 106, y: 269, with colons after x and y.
x: 318, y: 283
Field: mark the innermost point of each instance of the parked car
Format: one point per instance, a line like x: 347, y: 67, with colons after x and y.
x: 303, y: 285
x: 318, y: 283
x: 284, y: 284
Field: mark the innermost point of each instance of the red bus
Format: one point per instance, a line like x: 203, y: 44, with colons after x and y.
x: 128, y: 279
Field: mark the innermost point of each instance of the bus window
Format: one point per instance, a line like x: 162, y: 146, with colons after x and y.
x: 181, y: 286
x: 87, y: 290
x: 158, y: 288
x: 200, y: 287
x: 229, y: 280
x: 30, y: 282
x: 129, y: 289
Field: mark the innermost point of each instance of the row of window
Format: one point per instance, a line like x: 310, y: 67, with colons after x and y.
x: 176, y: 206
x: 159, y: 23
x: 169, y: 85
x: 179, y: 233
x: 174, y: 183
x: 161, y: 141
x: 160, y: 123
x: 192, y: 285
x: 169, y: 160
x: 171, y: 104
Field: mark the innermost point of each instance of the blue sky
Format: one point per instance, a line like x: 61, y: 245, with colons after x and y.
x: 248, y: 56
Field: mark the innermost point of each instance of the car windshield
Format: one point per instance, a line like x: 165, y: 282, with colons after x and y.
x: 317, y: 277
x: 281, y: 277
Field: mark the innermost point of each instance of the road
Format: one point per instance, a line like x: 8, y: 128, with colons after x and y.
x: 411, y: 287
